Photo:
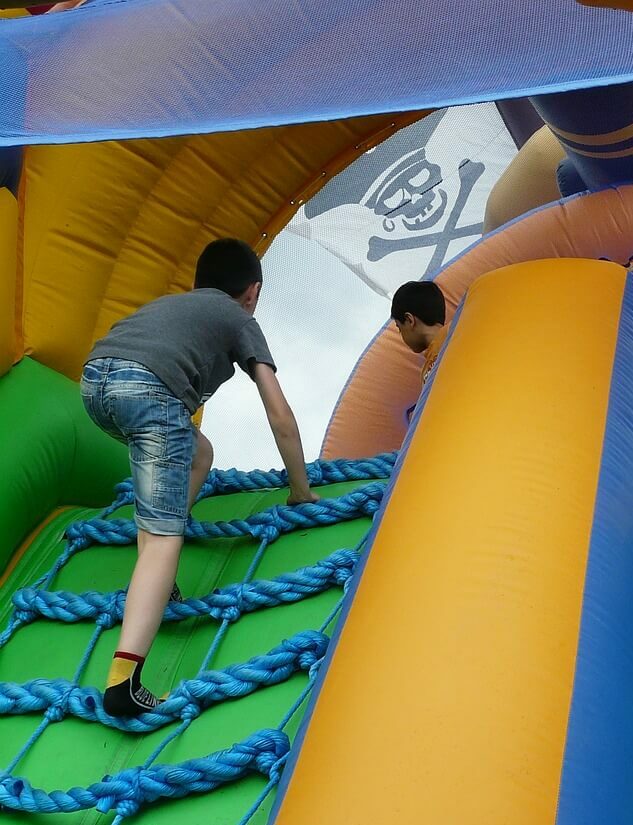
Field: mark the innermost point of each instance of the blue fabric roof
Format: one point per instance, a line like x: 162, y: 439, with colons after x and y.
x: 132, y: 68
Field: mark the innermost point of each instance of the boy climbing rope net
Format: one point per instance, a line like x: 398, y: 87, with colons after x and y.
x: 140, y: 384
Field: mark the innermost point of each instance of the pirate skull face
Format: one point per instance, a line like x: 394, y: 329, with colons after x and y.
x: 401, y: 212
x: 408, y: 195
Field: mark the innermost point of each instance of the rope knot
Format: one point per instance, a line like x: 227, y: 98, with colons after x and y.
x: 212, y: 483
x: 125, y: 486
x: 133, y: 795
x: 315, y: 474
x: 77, y: 535
x: 314, y: 669
x: 270, y: 524
x: 106, y: 801
x: 191, y: 709
x: 112, y: 609
x: 75, y: 530
x: 276, y: 769
x: 25, y: 616
x: 307, y: 659
x: 127, y: 807
x: 309, y: 647
x: 231, y: 612
x: 190, y: 712
x: 265, y: 531
x: 124, y: 495
x: 57, y: 711
x: 342, y: 576
x: 271, y: 747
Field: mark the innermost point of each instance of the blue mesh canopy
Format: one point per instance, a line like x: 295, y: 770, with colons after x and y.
x: 133, y: 68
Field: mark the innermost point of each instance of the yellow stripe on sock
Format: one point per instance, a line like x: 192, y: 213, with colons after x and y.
x: 120, y: 670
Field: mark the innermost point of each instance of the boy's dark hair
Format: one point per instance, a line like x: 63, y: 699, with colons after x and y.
x: 229, y: 265
x: 424, y: 299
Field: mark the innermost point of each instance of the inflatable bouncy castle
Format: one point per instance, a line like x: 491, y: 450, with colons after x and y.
x: 442, y: 638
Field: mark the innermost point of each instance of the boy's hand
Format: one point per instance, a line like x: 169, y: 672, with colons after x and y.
x: 303, y: 498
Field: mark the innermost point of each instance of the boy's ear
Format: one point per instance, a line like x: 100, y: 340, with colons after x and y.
x: 251, y: 293
x: 409, y: 319
x: 254, y: 290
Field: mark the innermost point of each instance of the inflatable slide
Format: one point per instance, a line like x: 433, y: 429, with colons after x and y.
x: 444, y: 637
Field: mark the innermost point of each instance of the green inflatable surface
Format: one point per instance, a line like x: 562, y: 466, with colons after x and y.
x: 61, y: 469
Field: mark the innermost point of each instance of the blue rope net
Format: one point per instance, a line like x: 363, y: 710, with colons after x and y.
x: 264, y: 751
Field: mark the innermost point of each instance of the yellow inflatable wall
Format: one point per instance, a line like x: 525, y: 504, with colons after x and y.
x: 8, y: 255
x: 110, y: 226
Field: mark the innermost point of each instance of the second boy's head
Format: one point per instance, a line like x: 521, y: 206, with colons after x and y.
x: 419, y: 310
x: 233, y: 267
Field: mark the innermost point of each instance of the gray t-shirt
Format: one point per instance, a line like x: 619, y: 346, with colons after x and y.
x: 190, y: 341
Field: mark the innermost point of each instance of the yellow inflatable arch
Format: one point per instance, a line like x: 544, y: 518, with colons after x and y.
x: 106, y: 227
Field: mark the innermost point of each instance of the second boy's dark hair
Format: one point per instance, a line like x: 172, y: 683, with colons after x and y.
x: 424, y: 299
x: 229, y: 265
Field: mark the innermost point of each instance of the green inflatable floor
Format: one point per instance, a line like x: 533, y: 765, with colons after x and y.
x: 77, y: 753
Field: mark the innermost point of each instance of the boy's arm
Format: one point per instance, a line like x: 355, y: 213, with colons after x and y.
x: 284, y: 427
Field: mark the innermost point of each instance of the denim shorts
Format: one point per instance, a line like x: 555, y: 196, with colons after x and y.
x: 131, y: 404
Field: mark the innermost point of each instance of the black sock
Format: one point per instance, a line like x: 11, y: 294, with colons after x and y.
x: 125, y: 695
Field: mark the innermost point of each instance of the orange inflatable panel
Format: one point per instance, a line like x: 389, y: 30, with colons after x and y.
x: 370, y: 416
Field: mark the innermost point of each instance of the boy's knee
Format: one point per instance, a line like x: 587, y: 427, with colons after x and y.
x: 204, y: 453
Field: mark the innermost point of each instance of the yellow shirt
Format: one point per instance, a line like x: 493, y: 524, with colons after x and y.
x: 432, y: 352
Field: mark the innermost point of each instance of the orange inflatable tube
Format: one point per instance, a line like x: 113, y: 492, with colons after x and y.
x: 370, y: 416
x: 461, y: 688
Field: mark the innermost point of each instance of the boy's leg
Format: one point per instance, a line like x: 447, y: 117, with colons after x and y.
x: 149, y: 591
x: 162, y: 453
x: 156, y: 567
x: 202, y: 461
x: 147, y: 596
x: 200, y: 466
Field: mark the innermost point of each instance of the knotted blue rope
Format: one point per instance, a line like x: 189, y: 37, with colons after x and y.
x: 265, y: 751
x: 221, y: 482
x: 128, y: 790
x: 228, y: 602
x: 272, y: 522
x: 59, y: 697
x: 218, y: 482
